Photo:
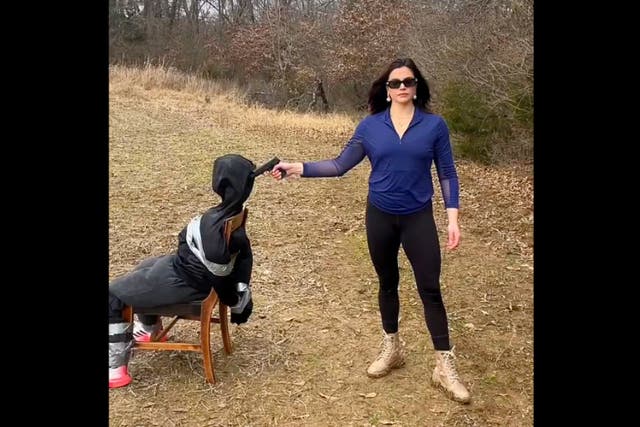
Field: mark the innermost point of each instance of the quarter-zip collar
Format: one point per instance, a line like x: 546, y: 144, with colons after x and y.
x: 418, y: 115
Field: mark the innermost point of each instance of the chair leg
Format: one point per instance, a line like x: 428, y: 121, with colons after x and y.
x: 224, y: 327
x: 205, y: 342
x: 127, y: 314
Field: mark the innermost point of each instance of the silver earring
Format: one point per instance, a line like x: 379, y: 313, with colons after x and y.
x: 415, y: 97
x: 388, y: 99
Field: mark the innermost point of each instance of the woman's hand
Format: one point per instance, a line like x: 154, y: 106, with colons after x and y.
x: 453, y: 232
x: 293, y: 170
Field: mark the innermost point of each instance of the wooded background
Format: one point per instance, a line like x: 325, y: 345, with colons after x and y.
x: 323, y: 55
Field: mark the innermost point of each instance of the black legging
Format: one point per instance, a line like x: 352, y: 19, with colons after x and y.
x: 418, y: 235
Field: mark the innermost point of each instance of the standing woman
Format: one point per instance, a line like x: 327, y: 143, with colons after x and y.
x: 401, y: 138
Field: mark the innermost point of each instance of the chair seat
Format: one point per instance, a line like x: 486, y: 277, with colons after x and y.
x: 185, y: 309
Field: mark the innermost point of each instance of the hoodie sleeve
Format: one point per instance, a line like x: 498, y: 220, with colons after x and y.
x: 243, y: 266
x: 244, y: 261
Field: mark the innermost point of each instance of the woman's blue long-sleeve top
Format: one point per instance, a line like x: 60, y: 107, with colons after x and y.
x: 400, y: 181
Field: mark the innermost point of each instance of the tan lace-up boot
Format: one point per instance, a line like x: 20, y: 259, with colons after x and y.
x: 445, y: 376
x: 391, y: 356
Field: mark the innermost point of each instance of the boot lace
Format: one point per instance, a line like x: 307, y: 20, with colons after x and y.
x: 449, y: 366
x: 387, y: 348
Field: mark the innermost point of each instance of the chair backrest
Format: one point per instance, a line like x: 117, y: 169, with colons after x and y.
x: 232, y: 223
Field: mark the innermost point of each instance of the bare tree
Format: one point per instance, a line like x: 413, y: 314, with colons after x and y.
x: 312, y: 54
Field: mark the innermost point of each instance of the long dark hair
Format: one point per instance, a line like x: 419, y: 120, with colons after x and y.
x: 378, y: 92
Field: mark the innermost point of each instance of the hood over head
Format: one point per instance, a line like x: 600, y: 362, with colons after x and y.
x: 232, y: 180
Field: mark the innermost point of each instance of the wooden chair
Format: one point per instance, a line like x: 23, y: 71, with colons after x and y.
x: 200, y: 311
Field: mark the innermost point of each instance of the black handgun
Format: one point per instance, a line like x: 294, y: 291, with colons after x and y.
x: 268, y: 167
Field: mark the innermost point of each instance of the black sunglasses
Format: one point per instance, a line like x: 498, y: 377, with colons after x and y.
x: 408, y: 82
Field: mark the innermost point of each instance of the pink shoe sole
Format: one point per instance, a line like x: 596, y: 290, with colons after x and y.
x: 147, y: 338
x: 121, y: 379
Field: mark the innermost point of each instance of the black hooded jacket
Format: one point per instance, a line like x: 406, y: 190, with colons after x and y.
x: 233, y: 181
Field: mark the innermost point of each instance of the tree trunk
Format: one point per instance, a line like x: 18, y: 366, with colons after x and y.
x: 245, y: 12
x: 147, y: 12
x: 172, y: 13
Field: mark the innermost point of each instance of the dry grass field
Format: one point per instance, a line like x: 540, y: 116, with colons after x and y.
x: 301, y: 358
